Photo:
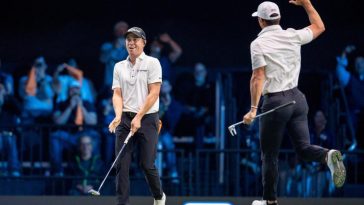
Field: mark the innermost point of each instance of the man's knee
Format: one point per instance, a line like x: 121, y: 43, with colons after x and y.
x: 147, y: 166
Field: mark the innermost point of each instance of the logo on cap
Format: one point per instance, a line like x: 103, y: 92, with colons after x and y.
x: 137, y: 31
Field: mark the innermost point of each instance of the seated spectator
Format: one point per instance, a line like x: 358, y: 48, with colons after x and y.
x: 113, y: 52
x: 199, y: 101
x: 36, y: 90
x: 9, y: 119
x: 65, y: 75
x: 74, y: 112
x: 167, y: 51
x: 354, y: 88
x: 170, y: 111
x: 85, y: 165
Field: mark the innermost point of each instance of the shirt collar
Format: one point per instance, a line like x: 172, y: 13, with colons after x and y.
x: 139, y: 58
x: 270, y: 28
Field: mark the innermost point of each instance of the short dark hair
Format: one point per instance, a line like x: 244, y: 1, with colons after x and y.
x: 272, y: 22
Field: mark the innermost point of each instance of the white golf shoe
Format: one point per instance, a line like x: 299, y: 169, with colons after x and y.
x: 262, y: 202
x: 161, y: 201
x: 337, y: 168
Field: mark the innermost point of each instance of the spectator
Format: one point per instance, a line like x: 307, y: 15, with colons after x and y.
x: 65, y: 75
x: 74, y: 112
x: 167, y: 51
x: 36, y: 90
x: 37, y: 94
x: 113, y: 52
x: 86, y: 165
x: 9, y: 119
x: 200, y: 105
x: 170, y: 111
x: 354, y: 87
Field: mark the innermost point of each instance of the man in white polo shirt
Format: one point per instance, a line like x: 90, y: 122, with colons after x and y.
x: 276, y: 63
x: 136, y: 84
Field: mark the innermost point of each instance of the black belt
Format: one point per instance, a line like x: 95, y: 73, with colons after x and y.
x: 130, y: 114
x: 283, y: 93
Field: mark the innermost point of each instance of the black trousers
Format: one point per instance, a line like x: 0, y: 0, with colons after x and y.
x: 146, y: 138
x: 272, y: 127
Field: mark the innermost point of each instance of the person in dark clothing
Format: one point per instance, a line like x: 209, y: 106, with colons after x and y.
x: 170, y: 111
x: 200, y: 105
x: 353, y: 84
x: 276, y: 64
x: 10, y: 110
x: 74, y: 112
x: 86, y: 165
x: 167, y: 51
x: 136, y: 86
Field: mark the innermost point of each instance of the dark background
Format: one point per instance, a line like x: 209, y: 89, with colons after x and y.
x: 217, y: 33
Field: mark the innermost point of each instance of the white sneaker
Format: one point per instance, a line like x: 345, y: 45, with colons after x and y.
x: 336, y: 166
x: 161, y: 201
x: 262, y: 202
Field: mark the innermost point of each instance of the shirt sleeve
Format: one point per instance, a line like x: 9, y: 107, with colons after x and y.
x: 256, y: 55
x: 304, y: 35
x: 155, y: 72
x: 116, y: 77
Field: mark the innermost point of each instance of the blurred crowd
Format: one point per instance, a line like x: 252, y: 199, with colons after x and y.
x: 77, y: 115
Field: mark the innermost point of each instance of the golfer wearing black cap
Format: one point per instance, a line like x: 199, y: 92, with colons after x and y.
x: 136, y: 84
x: 276, y: 64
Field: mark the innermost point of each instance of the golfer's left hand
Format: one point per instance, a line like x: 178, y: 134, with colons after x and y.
x: 135, y: 124
x: 249, y: 117
x: 113, y: 124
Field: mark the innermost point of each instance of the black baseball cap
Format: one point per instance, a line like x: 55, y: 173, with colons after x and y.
x: 137, y: 31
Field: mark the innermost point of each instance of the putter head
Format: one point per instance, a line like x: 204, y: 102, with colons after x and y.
x: 232, y: 130
x: 94, y: 192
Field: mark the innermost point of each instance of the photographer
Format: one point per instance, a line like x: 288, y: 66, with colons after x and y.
x: 73, y: 112
x: 64, y: 76
x: 36, y: 90
x: 167, y: 51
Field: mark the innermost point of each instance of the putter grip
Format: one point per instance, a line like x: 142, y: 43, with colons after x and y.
x: 128, y: 137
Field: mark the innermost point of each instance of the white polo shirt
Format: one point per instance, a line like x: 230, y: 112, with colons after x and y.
x: 279, y: 51
x: 134, y: 79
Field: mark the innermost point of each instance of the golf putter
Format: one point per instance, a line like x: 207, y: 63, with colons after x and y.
x: 97, y: 193
x: 232, y: 128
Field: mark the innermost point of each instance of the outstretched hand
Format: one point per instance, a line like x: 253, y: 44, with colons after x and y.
x: 165, y: 37
x: 299, y: 2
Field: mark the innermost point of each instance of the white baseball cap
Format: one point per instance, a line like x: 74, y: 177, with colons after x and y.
x: 266, y: 11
